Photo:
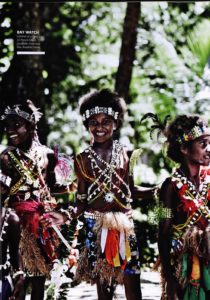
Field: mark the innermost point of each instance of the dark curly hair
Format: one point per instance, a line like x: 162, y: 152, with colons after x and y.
x: 103, y: 98
x: 180, y: 125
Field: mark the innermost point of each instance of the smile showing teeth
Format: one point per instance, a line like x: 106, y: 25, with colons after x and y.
x: 100, y: 133
x: 13, y: 136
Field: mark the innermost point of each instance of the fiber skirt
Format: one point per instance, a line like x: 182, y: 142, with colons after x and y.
x: 110, y: 249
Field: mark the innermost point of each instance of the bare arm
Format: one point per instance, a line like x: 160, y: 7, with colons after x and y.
x: 13, y: 241
x: 6, y: 171
x: 82, y: 188
x: 57, y: 189
x: 140, y: 192
x: 168, y: 197
x: 143, y: 193
x: 14, y: 238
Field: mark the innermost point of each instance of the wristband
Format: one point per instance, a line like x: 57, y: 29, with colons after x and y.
x: 68, y: 213
x: 18, y: 273
x: 81, y: 197
x: 156, y: 193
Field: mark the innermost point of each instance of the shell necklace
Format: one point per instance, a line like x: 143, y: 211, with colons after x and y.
x: 104, y: 181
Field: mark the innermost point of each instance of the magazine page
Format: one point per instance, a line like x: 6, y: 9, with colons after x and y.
x: 105, y: 149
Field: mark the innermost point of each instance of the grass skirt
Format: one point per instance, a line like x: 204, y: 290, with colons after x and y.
x: 191, y: 266
x: 93, y: 264
x: 34, y: 262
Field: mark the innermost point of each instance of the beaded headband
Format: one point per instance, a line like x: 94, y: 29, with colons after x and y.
x: 6, y: 180
x: 193, y: 134
x: 97, y: 110
x: 34, y: 117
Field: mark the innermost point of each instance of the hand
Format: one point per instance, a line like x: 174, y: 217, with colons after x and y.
x: 18, y: 292
x: 73, y: 186
x: 129, y: 214
x: 53, y: 218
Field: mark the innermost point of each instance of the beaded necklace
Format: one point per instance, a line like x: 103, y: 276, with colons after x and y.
x: 6, y: 213
x: 104, y: 178
x: 193, y: 202
x: 26, y: 170
x: 30, y: 175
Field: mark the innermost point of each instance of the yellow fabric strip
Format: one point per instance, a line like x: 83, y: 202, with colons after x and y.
x: 116, y: 260
x: 127, y: 250
x: 196, y: 272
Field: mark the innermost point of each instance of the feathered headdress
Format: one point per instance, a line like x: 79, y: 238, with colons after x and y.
x: 32, y: 117
x: 158, y: 125
x: 36, y: 113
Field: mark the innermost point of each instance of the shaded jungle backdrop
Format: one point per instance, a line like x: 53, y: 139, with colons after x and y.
x: 155, y: 54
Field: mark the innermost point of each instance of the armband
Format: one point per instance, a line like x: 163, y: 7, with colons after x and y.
x: 156, y: 193
x: 6, y: 180
x: 17, y: 274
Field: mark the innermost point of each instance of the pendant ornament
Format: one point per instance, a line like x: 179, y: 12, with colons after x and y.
x: 109, y: 197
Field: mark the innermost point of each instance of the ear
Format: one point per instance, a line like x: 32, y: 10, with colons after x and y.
x: 31, y: 128
x: 116, y: 124
x: 184, y: 150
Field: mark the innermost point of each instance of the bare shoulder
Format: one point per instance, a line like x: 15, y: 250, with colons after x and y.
x: 83, y: 156
x: 126, y: 152
x: 14, y: 220
x: 167, y: 185
x: 168, y: 194
x: 5, y: 153
x: 81, y: 163
x: 5, y: 159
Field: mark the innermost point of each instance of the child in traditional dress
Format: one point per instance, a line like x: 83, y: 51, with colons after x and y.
x: 32, y: 169
x: 184, y: 238
x: 105, y: 186
x: 12, y: 275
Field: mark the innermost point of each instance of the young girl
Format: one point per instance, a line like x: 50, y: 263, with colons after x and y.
x: 31, y: 167
x: 184, y: 238
x: 105, y: 186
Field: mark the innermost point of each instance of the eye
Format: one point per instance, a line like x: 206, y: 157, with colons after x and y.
x: 107, y: 122
x: 203, y: 143
x: 92, y: 123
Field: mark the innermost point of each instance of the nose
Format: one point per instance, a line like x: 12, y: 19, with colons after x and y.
x: 10, y: 129
x: 208, y: 147
x: 99, y: 126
